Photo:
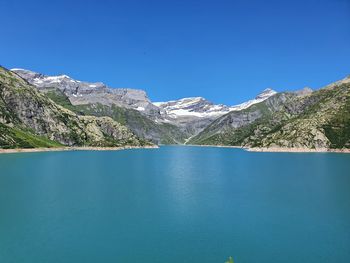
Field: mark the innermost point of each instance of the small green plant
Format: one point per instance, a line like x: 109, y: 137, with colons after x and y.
x: 230, y: 260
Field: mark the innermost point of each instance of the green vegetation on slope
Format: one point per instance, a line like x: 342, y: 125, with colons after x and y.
x: 317, y: 120
x: 142, y: 126
x: 29, y: 118
x: 337, y: 129
x: 16, y: 138
x: 324, y: 123
x: 235, y: 127
x: 320, y: 119
x: 59, y: 98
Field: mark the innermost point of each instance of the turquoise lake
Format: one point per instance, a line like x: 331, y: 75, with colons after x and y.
x: 173, y: 205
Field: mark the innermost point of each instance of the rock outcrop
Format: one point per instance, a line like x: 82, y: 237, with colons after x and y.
x: 194, y: 114
x: 25, y: 113
x: 314, y: 120
x: 82, y: 93
x: 61, y: 113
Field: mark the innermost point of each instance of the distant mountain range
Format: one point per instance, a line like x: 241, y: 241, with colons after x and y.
x: 31, y: 103
x: 304, y: 119
x: 170, y: 122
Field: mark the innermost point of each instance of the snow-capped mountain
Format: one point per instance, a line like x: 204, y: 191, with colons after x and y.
x: 201, y: 108
x: 177, y: 111
x: 195, y: 106
x: 267, y: 93
x: 195, y: 113
x: 80, y: 92
x: 190, y: 115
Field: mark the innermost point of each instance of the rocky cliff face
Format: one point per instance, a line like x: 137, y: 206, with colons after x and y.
x: 130, y: 107
x: 143, y: 126
x: 194, y: 114
x: 191, y: 114
x: 170, y: 122
x: 26, y: 113
x: 302, y: 119
x: 322, y: 120
x: 82, y: 93
x: 319, y: 119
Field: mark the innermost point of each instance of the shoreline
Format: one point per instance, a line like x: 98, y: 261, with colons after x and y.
x: 297, y: 150
x: 278, y: 149
x: 257, y: 149
x: 62, y: 149
x: 216, y: 146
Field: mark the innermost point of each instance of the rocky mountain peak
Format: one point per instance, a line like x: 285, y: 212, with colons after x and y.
x: 304, y: 91
x: 266, y: 93
x: 26, y: 74
x: 346, y: 79
x: 183, y: 103
x: 82, y: 93
x: 197, y: 107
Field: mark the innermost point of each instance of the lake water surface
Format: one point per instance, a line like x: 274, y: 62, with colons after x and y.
x: 173, y: 205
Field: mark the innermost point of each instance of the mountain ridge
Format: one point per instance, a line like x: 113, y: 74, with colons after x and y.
x: 156, y: 122
x: 317, y: 120
x: 30, y: 119
x: 303, y: 118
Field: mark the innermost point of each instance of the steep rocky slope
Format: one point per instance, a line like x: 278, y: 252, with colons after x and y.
x: 131, y: 107
x: 172, y: 122
x: 82, y: 93
x: 141, y: 125
x: 194, y: 114
x: 319, y: 119
x: 302, y: 119
x: 29, y: 119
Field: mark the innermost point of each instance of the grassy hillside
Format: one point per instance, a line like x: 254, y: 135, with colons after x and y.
x: 29, y: 118
x: 16, y: 138
x: 142, y: 126
x: 317, y: 120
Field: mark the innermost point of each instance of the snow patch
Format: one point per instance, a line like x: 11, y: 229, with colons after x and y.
x: 158, y: 104
x: 55, y: 79
x: 18, y: 69
x: 38, y: 81
x: 201, y: 108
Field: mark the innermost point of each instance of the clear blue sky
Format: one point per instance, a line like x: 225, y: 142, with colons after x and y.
x: 226, y: 51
